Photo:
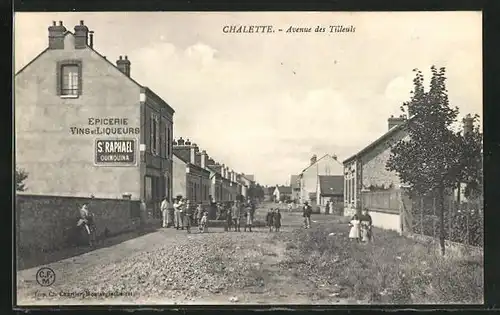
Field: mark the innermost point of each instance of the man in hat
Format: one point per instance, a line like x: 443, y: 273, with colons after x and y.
x: 164, y: 211
x: 178, y: 204
x: 306, y: 213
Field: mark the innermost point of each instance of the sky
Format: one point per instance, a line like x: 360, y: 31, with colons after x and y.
x: 263, y: 104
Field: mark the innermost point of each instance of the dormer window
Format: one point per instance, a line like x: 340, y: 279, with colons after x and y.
x: 69, y: 78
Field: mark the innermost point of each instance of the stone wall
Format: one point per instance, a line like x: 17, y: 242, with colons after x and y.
x: 374, y: 163
x: 46, y: 223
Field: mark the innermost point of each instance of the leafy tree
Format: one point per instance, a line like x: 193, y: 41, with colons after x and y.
x: 428, y: 162
x: 471, y: 170
x: 21, y: 176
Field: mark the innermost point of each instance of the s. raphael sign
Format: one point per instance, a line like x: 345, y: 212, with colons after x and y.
x: 115, y: 152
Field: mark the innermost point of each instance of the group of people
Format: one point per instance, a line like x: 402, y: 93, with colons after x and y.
x: 273, y: 219
x: 234, y: 212
x: 361, y: 227
x: 186, y: 215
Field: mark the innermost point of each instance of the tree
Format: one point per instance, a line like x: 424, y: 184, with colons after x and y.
x: 428, y: 162
x: 21, y: 176
x: 471, y: 170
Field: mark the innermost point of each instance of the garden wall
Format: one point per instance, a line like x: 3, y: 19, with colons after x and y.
x: 46, y: 223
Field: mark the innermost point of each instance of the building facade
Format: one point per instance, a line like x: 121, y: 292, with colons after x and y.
x: 330, y: 189
x: 308, y: 178
x: 367, y: 182
x: 282, y: 193
x: 85, y: 127
x: 295, y: 184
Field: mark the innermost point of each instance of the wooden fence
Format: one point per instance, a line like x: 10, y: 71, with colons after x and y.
x: 383, y: 201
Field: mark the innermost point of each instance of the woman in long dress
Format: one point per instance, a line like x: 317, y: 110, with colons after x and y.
x: 354, y: 233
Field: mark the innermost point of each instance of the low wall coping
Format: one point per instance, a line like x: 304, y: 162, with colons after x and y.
x: 25, y: 195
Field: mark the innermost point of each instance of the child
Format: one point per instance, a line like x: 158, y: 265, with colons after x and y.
x: 229, y: 219
x: 199, y: 213
x: 354, y: 224
x: 269, y: 219
x: 277, y: 220
x: 203, y: 227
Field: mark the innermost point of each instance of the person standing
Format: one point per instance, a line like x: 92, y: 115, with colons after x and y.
x: 236, y: 216
x: 203, y: 224
x: 277, y: 220
x: 327, y: 207
x: 164, y: 206
x: 248, y: 218
x: 199, y: 212
x: 187, y: 216
x: 229, y: 219
x: 366, y: 226
x: 306, y: 213
x: 177, y: 212
x: 354, y: 233
x: 269, y: 219
x: 143, y: 212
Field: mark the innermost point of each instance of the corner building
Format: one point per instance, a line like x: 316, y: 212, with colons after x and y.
x: 84, y: 126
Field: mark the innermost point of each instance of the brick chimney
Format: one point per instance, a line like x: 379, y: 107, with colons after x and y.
x: 395, y: 121
x: 314, y: 158
x: 193, y: 153
x: 81, y: 35
x: 91, y: 40
x: 56, y: 35
x: 124, y: 65
x: 203, y: 162
x: 468, y: 123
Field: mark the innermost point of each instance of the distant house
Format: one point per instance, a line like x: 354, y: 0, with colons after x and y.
x: 268, y: 193
x: 295, y: 184
x: 308, y: 178
x: 330, y: 188
x: 282, y: 193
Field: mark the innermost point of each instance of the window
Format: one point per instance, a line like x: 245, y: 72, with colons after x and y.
x: 69, y: 78
x: 353, y: 187
x: 155, y: 137
x: 168, y: 142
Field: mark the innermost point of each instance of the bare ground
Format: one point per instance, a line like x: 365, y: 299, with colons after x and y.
x: 171, y: 267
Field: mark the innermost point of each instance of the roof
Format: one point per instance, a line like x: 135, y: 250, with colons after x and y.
x: 183, y: 159
x: 381, y: 139
x: 249, y: 177
x: 331, y: 184
x: 284, y: 189
x: 324, y: 156
x: 148, y: 90
x: 294, y: 181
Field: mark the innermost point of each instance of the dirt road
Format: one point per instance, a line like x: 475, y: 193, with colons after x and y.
x: 172, y: 267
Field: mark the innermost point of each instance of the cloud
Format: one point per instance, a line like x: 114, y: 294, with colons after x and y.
x: 263, y: 104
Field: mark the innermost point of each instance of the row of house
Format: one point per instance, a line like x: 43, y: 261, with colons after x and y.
x: 201, y: 179
x: 84, y: 127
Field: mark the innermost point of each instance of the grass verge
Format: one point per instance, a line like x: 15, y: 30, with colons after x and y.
x: 392, y: 269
